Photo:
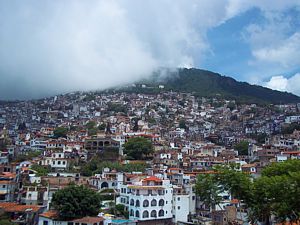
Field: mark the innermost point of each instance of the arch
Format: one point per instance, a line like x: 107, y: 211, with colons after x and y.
x: 153, y: 202
x: 104, y: 185
x: 153, y: 213
x: 137, y: 213
x: 145, y: 203
x: 100, y: 143
x: 106, y: 143
x: 145, y: 214
x: 137, y: 203
x: 131, y: 202
x: 161, y: 202
x: 131, y: 212
x: 161, y: 213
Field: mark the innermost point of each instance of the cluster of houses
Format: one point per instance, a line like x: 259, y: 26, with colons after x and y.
x: 190, y: 136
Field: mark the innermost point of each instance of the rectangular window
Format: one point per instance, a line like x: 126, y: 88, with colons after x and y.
x: 45, y: 222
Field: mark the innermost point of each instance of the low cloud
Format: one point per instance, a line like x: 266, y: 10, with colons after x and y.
x: 49, y: 47
x: 282, y: 83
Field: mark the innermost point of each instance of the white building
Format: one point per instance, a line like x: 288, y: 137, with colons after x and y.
x: 152, y: 198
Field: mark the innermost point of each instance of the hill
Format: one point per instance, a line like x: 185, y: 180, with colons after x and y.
x: 203, y: 83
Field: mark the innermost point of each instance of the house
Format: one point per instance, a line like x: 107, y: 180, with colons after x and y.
x: 21, y: 214
x: 51, y: 217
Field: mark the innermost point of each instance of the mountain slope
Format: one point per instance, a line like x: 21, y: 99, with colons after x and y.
x: 208, y: 84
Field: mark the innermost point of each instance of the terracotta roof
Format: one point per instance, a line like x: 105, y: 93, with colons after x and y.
x: 52, y: 214
x: 152, y: 178
x: 89, y: 219
x: 15, y: 207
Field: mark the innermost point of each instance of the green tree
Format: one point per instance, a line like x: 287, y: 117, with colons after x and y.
x: 208, y: 190
x: 76, y: 202
x: 41, y: 170
x: 182, y: 124
x: 242, y: 147
x: 138, y: 148
x: 276, y: 193
x: 102, y: 127
x: 60, y: 132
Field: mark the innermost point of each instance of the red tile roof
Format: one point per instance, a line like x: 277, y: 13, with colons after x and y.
x: 15, y: 207
x: 89, y: 219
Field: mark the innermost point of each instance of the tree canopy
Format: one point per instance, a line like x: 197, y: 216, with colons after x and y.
x: 138, y: 148
x: 60, y: 132
x: 76, y: 202
x: 242, y: 147
x: 275, y: 193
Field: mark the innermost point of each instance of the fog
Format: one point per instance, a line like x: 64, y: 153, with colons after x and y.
x: 51, y: 47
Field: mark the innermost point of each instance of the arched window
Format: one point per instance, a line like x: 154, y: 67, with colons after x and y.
x: 104, y: 185
x: 137, y: 203
x: 161, y: 213
x: 161, y: 202
x: 137, y: 213
x: 131, y: 202
x: 131, y: 212
x: 145, y: 214
x: 153, y: 202
x: 153, y: 213
x: 145, y: 203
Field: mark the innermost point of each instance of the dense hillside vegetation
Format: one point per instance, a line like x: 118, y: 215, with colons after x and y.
x: 208, y: 84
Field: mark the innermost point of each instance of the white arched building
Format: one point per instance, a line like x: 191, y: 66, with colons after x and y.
x: 147, y: 199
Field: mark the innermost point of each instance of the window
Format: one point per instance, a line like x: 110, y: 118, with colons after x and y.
x: 137, y: 203
x: 131, y: 202
x: 64, y: 162
x: 145, y: 214
x: 58, y: 162
x: 161, y: 213
x: 131, y: 212
x: 145, y: 203
x: 45, y: 222
x: 153, y: 202
x: 3, y: 186
x: 153, y: 213
x: 178, y: 199
x: 161, y: 202
x: 70, y: 223
x: 178, y: 207
x: 137, y: 213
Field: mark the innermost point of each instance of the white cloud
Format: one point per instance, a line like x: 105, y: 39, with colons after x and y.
x: 277, y: 83
x: 51, y: 46
x: 282, y: 83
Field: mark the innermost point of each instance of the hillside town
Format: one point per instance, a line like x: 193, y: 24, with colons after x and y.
x: 142, y: 153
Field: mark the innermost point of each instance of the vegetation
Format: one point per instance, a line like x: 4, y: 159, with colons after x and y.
x: 290, y: 128
x: 116, y: 107
x: 96, y: 166
x: 242, y: 147
x: 121, y: 209
x: 276, y: 193
x: 27, y: 156
x: 208, y: 84
x: 76, y: 202
x: 92, y: 128
x: 138, y: 148
x: 182, y: 124
x: 41, y: 170
x: 60, y: 132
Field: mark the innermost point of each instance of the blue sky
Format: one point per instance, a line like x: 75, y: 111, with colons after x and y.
x: 232, y: 50
x: 53, y: 47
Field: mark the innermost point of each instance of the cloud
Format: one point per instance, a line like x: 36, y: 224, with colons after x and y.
x: 50, y: 47
x: 60, y: 46
x: 282, y: 83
